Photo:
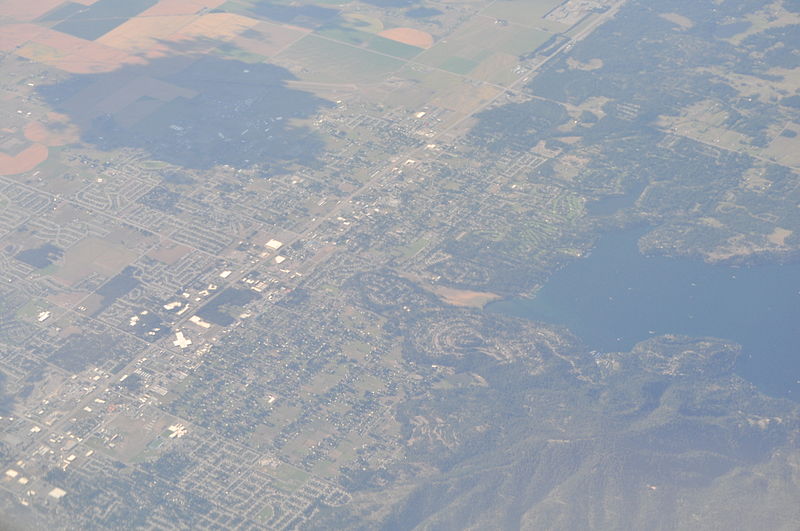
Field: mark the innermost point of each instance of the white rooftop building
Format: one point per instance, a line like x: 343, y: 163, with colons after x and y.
x: 181, y: 340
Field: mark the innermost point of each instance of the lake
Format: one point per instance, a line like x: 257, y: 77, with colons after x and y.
x: 616, y: 297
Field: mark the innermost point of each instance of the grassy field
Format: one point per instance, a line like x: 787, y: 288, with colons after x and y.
x: 394, y: 48
x: 422, y: 85
x: 525, y: 13
x: 413, y: 248
x: 437, y: 87
x: 327, y: 61
x: 370, y: 41
x: 230, y: 51
x: 484, y: 50
x: 288, y: 478
x: 785, y: 147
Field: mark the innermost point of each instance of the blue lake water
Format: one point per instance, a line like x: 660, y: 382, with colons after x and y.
x: 616, y: 297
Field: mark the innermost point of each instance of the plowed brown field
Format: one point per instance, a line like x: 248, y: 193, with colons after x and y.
x: 25, y: 160
x: 411, y: 36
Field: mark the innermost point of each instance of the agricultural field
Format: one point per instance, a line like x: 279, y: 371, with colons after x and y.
x: 528, y: 14
x: 323, y: 60
x: 466, y: 52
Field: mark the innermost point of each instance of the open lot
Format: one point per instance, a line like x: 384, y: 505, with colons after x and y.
x: 93, y: 255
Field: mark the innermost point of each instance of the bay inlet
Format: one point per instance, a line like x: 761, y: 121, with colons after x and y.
x: 617, y: 297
